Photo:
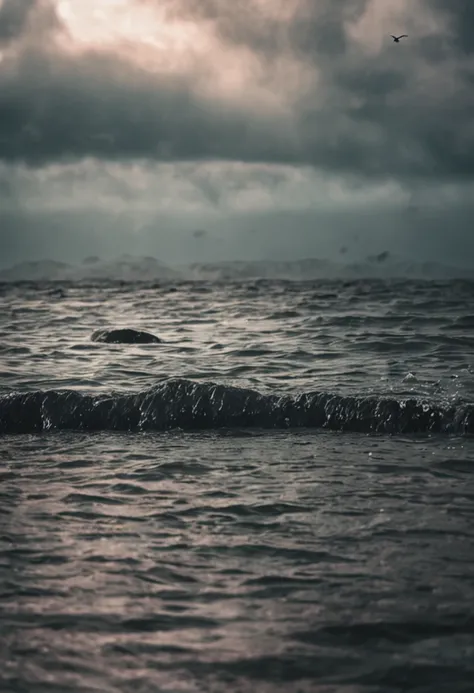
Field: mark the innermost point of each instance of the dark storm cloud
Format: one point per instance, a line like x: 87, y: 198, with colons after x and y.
x: 460, y: 17
x: 14, y: 18
x: 367, y: 115
x: 60, y: 109
x: 306, y: 27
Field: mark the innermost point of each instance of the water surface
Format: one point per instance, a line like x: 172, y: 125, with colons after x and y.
x: 278, y: 498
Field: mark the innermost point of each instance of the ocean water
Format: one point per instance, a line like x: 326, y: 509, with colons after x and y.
x: 278, y: 497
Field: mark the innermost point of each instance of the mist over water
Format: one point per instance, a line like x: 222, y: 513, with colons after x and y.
x: 275, y: 497
x: 437, y: 232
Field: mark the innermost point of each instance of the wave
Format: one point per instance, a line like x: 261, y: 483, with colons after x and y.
x: 187, y: 405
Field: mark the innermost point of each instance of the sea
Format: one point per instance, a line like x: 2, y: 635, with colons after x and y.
x: 276, y: 498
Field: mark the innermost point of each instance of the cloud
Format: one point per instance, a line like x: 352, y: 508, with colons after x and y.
x: 270, y: 27
x: 26, y: 18
x: 13, y: 18
x: 321, y: 85
x: 459, y: 17
x: 61, y: 109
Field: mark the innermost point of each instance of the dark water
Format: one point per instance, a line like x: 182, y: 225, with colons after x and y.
x: 277, y: 498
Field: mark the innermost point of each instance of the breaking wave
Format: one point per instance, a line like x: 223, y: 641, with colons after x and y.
x: 184, y: 404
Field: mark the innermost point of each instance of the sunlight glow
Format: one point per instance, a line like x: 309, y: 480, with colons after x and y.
x: 145, y: 34
x: 107, y: 23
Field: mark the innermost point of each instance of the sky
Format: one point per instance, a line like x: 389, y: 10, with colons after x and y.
x: 199, y: 130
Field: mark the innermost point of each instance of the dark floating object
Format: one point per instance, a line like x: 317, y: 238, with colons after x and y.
x: 124, y: 336
x: 397, y: 38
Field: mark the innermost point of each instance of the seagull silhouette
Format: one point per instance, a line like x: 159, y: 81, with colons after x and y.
x: 397, y: 38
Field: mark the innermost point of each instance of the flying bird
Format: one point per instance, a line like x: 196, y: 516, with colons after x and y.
x: 397, y: 38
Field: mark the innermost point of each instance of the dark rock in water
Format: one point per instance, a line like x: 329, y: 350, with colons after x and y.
x: 57, y: 293
x: 124, y: 336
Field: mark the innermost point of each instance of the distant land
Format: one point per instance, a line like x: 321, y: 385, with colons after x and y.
x: 129, y: 268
